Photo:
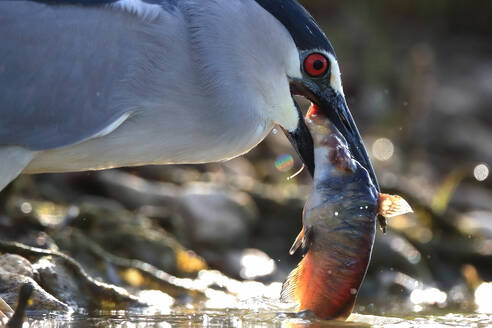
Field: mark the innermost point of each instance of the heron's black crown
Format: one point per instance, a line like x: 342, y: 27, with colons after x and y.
x: 301, y: 25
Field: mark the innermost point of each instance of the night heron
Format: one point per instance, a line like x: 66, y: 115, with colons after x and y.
x: 96, y: 84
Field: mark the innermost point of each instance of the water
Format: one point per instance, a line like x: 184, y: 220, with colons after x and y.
x: 233, y: 303
x: 247, y: 318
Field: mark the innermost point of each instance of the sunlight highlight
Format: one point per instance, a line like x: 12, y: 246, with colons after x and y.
x: 483, y: 297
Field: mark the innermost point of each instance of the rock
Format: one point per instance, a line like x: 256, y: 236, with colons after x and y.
x: 135, y: 192
x: 16, y: 264
x: 11, y: 282
x: 130, y: 272
x: 216, y: 217
x: 23, y: 301
x: 59, y: 282
x: 5, y: 310
x: 65, y: 279
x: 149, y: 243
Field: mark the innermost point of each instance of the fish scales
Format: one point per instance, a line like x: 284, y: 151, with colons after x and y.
x: 339, y: 227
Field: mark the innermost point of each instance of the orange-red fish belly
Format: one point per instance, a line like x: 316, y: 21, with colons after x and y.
x: 325, y: 288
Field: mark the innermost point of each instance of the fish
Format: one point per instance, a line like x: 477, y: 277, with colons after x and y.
x: 339, y: 226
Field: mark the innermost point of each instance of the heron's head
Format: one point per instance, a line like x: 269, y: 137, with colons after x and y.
x: 317, y: 78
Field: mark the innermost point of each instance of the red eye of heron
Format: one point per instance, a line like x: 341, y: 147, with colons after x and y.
x: 316, y: 64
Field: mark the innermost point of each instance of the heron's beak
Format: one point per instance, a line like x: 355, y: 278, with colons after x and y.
x: 302, y: 141
x: 337, y: 111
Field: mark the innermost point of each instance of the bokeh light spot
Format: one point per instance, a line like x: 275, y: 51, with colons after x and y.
x: 26, y: 208
x: 428, y: 296
x: 284, y: 162
x: 482, y: 297
x: 256, y: 264
x: 383, y: 149
x: 481, y: 172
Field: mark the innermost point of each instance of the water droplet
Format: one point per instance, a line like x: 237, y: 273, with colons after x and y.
x: 275, y: 131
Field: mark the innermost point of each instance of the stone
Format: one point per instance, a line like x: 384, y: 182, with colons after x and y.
x: 134, y: 192
x: 16, y: 264
x: 5, y: 310
x: 217, y: 217
x: 12, y: 280
x: 65, y: 279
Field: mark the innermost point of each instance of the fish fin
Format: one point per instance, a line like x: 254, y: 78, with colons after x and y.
x: 298, y: 242
x: 303, y: 240
x: 393, y: 205
x: 294, y: 285
x: 382, y: 223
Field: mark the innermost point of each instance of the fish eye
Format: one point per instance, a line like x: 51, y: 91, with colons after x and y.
x: 316, y: 64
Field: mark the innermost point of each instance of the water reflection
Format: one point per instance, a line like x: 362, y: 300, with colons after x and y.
x: 232, y: 303
x: 240, y: 319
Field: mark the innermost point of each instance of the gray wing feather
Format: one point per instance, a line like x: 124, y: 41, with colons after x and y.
x: 63, y: 72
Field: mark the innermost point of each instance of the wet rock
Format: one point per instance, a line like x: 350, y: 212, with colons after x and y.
x: 149, y: 242
x: 216, y: 217
x: 130, y: 272
x: 16, y: 264
x: 59, y: 282
x: 65, y: 278
x: 19, y: 273
x: 25, y: 297
x: 135, y: 192
x: 77, y: 290
x: 212, y: 215
x: 5, y: 310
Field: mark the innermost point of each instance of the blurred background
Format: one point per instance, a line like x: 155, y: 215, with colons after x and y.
x: 418, y: 79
